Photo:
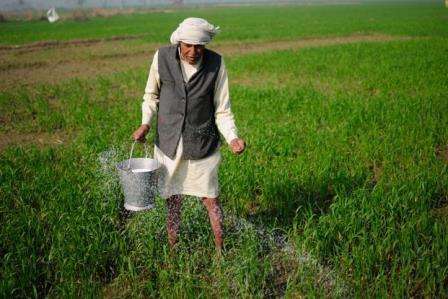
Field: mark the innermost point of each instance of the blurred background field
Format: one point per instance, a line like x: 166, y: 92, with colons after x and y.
x: 343, y: 190
x: 245, y: 23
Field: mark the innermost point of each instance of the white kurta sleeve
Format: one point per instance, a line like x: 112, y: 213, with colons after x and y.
x: 224, y: 118
x: 152, y: 90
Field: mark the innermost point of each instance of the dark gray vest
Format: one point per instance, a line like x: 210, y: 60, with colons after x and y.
x: 187, y: 109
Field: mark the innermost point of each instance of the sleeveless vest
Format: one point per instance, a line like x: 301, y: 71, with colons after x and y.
x: 187, y: 109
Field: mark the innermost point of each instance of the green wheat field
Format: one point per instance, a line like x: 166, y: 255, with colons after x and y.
x: 342, y: 191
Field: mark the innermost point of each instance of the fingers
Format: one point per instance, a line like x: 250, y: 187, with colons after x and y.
x: 137, y: 136
x: 140, y: 133
x: 239, y: 150
x: 238, y: 146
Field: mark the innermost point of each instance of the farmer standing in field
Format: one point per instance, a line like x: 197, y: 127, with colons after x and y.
x: 187, y: 89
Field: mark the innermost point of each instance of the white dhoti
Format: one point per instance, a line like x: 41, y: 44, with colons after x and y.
x: 188, y: 177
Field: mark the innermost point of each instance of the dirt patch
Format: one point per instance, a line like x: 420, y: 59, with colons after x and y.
x: 440, y: 210
x: 377, y: 172
x: 442, y: 153
x: 38, y: 139
x: 91, y: 58
x: 24, y: 65
x: 259, y: 47
x: 441, y: 213
x: 61, y: 44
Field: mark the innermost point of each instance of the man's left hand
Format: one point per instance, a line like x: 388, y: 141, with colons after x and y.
x: 237, y: 145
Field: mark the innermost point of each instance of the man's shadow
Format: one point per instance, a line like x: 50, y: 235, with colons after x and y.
x: 288, y: 202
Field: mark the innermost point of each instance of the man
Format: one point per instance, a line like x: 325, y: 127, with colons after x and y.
x: 187, y: 88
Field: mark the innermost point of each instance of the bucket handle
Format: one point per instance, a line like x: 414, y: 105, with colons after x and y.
x: 132, y: 150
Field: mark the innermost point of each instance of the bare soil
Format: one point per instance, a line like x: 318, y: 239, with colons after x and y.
x: 441, y: 152
x: 39, y: 139
x: 49, y: 62
x: 60, y: 44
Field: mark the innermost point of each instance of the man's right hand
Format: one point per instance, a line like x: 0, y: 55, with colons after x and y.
x: 140, y: 133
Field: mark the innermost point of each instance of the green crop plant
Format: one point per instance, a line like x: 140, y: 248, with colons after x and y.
x: 342, y: 190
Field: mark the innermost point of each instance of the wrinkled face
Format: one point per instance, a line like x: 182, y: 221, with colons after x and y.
x: 191, y: 53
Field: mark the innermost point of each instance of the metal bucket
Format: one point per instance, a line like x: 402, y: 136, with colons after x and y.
x: 138, y: 179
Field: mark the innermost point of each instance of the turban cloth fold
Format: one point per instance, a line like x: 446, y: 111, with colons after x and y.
x: 194, y: 31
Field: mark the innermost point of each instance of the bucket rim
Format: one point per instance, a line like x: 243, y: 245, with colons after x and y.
x: 133, y: 208
x: 123, y: 165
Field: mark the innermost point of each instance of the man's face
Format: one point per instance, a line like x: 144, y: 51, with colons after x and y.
x: 191, y: 53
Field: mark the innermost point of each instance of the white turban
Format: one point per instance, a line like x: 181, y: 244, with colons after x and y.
x: 194, y: 31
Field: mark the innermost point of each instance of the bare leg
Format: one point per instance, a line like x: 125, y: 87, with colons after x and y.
x: 215, y: 214
x: 174, y: 204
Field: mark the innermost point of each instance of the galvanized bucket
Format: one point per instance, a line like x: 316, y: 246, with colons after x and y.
x: 138, y: 179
